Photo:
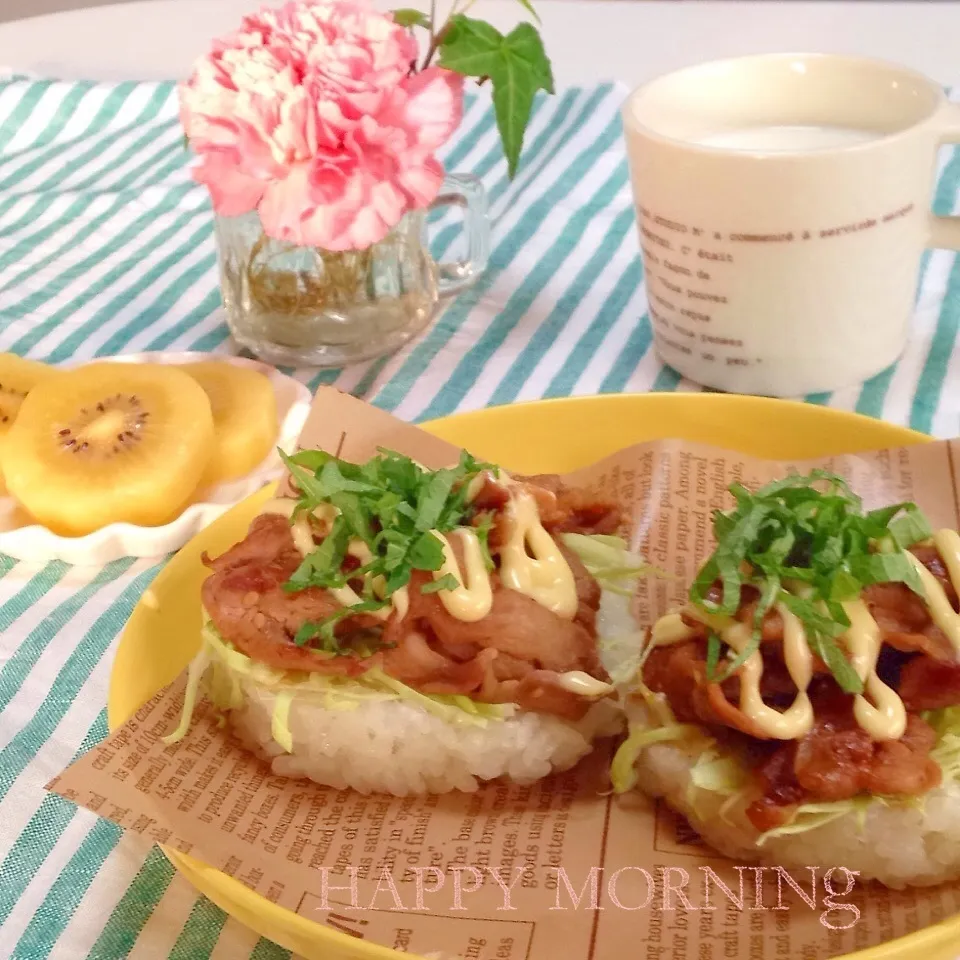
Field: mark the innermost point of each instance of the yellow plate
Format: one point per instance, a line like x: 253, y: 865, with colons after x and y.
x: 553, y: 435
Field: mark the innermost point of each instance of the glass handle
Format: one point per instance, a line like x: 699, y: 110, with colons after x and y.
x: 466, y: 191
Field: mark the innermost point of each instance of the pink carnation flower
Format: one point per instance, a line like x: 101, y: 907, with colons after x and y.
x: 310, y: 115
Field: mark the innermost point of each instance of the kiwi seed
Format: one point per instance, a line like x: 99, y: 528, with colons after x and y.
x: 90, y: 424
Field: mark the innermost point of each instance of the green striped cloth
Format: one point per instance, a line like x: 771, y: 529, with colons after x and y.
x: 106, y: 247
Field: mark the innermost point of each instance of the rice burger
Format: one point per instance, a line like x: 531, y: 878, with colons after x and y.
x: 402, y: 630
x: 803, y: 707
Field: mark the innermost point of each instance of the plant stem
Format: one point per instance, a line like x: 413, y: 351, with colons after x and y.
x: 432, y: 46
x: 435, y: 42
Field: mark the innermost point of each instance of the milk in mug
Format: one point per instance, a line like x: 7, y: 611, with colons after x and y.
x: 780, y: 137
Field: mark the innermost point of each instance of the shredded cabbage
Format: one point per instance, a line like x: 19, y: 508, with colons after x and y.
x: 218, y: 667
x: 617, y: 570
x: 451, y: 707
x: 623, y: 773
x: 809, y: 816
x: 946, y: 751
x: 722, y: 773
x: 195, y: 672
x: 610, y: 561
x: 623, y: 672
x: 280, y: 721
x: 718, y: 772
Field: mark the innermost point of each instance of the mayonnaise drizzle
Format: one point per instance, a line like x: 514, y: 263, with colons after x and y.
x: 879, y: 711
x: 302, y: 532
x: 531, y: 562
x: 546, y: 575
x: 473, y: 598
x: 576, y: 681
x: 886, y: 717
x: 797, y: 720
x: 670, y: 628
x: 477, y: 484
x: 942, y: 613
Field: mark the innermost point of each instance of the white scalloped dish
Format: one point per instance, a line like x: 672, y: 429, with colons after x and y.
x: 23, y: 539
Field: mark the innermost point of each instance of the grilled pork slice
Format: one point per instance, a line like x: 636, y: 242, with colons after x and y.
x: 515, y: 654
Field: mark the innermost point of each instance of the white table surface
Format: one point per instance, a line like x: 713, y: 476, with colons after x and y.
x: 589, y: 40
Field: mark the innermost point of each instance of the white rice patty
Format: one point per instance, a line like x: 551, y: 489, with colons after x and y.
x: 387, y: 745
x: 397, y: 747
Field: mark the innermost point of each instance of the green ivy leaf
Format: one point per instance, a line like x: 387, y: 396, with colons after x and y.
x: 471, y: 47
x: 408, y: 17
x: 525, y: 44
x: 512, y: 102
x: 516, y: 64
x: 524, y: 70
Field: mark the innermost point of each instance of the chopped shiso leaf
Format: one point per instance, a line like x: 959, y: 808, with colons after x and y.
x: 805, y: 542
x: 447, y: 582
x: 482, y: 525
x: 324, y: 630
x: 392, y: 505
x: 911, y: 528
x: 713, y: 652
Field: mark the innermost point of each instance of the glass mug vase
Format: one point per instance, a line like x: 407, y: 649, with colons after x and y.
x: 302, y: 306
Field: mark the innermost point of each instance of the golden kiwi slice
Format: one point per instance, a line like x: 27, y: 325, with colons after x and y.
x: 18, y: 376
x: 244, y: 417
x: 109, y: 442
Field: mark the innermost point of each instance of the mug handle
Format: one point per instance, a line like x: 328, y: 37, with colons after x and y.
x: 945, y: 231
x: 466, y: 191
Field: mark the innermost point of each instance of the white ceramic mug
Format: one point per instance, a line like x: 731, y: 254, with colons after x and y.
x: 783, y: 203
